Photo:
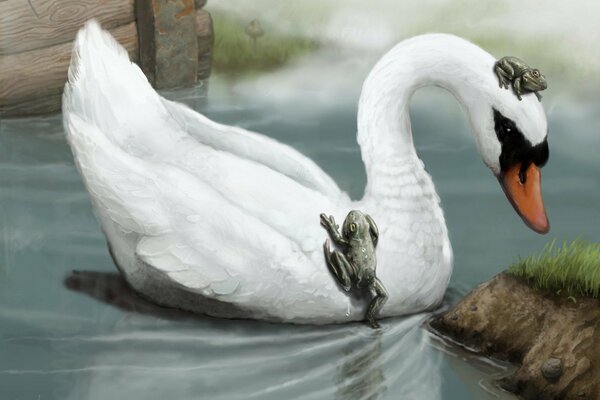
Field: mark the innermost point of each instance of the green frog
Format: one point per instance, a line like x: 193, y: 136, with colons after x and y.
x: 522, y: 77
x: 355, y: 266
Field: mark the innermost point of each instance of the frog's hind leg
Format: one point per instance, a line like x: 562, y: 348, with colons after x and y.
x: 380, y: 296
x: 339, y: 267
x: 504, y: 78
x: 502, y: 81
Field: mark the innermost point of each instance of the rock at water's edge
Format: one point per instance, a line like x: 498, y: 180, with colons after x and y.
x: 555, y: 340
x: 552, y: 369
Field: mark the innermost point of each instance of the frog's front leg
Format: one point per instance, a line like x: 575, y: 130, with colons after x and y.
x: 380, y: 296
x: 333, y: 230
x: 340, y: 267
x: 539, y: 96
x: 517, y: 88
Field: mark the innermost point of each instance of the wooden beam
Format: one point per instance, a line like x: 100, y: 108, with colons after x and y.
x: 34, y: 24
x: 31, y: 107
x: 31, y: 82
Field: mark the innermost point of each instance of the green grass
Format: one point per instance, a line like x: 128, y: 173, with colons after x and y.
x: 235, y: 53
x: 572, y: 269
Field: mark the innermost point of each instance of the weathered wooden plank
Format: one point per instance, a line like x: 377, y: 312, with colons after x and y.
x: 31, y: 107
x: 168, y: 42
x: 41, y: 74
x: 204, y: 30
x: 34, y: 24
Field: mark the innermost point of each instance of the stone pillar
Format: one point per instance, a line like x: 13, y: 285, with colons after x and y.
x: 168, y: 42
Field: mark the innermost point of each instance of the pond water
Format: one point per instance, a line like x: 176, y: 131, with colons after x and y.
x: 70, y: 328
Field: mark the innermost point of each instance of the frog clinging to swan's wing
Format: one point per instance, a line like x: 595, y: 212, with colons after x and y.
x: 356, y: 266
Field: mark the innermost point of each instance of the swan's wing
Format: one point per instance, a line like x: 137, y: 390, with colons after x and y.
x: 193, y: 236
x: 106, y: 90
x: 253, y: 146
x: 131, y: 113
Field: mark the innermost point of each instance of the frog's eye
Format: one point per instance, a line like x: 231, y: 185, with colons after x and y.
x: 536, y: 73
x: 353, y: 227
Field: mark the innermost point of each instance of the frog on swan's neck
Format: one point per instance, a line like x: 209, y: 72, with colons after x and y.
x: 384, y: 128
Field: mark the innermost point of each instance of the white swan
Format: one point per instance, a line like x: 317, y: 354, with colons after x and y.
x: 218, y: 220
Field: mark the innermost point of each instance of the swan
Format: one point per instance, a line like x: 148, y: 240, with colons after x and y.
x: 221, y: 221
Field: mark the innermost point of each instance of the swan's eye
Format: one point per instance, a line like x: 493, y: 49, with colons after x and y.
x: 353, y: 227
x: 505, y: 127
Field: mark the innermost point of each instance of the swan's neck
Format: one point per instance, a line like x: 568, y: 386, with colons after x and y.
x: 384, y: 130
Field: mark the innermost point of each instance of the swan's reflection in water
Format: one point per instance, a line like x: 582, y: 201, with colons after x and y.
x: 155, y: 353
x: 361, y: 375
x: 111, y: 288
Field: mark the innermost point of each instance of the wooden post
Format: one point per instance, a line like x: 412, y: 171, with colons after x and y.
x: 168, y: 42
x: 204, y: 29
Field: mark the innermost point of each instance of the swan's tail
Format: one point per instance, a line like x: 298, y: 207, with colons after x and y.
x: 111, y: 116
x: 109, y: 91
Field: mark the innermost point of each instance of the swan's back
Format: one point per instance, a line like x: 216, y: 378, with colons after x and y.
x: 108, y: 90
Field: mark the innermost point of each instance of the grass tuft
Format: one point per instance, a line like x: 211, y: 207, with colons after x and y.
x: 236, y: 53
x: 572, y: 269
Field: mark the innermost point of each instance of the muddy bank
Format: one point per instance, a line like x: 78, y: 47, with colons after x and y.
x: 555, y: 339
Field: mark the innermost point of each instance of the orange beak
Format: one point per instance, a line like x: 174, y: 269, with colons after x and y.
x: 524, y: 191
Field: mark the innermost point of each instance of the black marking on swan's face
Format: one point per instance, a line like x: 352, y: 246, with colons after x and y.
x: 515, y: 147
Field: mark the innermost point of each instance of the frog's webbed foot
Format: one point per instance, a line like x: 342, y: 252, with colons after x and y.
x: 517, y: 92
x: 333, y: 229
x: 329, y: 223
x: 503, y: 82
x: 539, y: 96
x: 380, y: 296
x: 373, y: 322
x: 339, y: 267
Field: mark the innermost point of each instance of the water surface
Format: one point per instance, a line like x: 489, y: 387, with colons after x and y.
x: 70, y: 328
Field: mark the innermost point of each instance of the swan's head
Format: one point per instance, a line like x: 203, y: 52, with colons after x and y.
x: 511, y: 134
x: 355, y: 225
x: 512, y: 139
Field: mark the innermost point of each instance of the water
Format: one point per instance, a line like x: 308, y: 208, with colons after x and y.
x: 70, y: 328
